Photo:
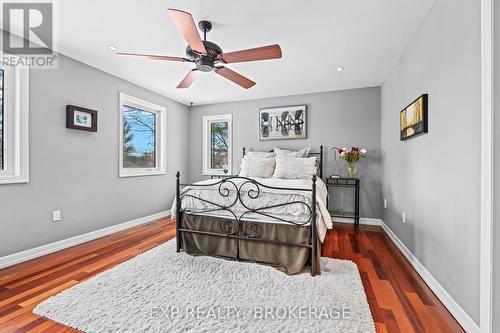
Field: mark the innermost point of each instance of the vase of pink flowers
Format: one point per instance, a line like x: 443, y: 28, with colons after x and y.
x: 351, y: 156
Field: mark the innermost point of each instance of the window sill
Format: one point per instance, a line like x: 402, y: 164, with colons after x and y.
x: 141, y: 174
x: 13, y: 180
x: 216, y: 173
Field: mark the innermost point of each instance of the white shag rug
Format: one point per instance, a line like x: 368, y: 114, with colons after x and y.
x: 164, y: 291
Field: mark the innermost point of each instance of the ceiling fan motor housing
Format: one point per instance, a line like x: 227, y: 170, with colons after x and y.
x: 205, y: 63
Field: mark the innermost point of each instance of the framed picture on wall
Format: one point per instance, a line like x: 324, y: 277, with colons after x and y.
x: 81, y: 118
x: 280, y: 123
x: 413, y: 119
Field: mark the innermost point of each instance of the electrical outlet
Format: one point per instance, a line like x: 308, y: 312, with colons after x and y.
x: 403, y: 217
x: 385, y: 203
x: 56, y: 215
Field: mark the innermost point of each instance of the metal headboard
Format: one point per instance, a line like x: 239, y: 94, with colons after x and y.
x: 319, y: 159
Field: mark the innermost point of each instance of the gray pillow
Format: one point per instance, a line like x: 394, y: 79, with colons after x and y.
x: 259, y: 154
x: 295, y: 168
x: 257, y: 167
x: 303, y: 153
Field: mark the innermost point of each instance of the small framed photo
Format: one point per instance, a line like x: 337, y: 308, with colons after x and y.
x: 81, y: 118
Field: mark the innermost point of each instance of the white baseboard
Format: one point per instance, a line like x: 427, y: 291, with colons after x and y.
x: 460, y: 315
x: 18, y: 257
x: 362, y: 220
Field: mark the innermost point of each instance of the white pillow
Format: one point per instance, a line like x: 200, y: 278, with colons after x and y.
x: 259, y: 154
x: 291, y: 153
x: 257, y: 167
x: 295, y: 168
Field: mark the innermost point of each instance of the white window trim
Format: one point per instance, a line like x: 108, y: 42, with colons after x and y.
x: 207, y: 171
x: 16, y: 133
x: 487, y: 158
x: 160, y: 148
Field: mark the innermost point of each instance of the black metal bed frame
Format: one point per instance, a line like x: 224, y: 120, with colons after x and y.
x: 243, y: 187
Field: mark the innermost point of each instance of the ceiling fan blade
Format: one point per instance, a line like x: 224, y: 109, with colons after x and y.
x: 235, y: 77
x: 189, y: 78
x: 151, y: 56
x: 185, y: 23
x: 258, y: 53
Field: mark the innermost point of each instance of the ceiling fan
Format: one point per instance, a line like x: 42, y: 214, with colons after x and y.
x: 207, y: 55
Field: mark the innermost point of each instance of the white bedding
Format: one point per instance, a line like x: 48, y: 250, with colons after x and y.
x: 267, y: 197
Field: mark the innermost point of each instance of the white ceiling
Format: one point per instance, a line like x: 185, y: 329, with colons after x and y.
x: 365, y: 36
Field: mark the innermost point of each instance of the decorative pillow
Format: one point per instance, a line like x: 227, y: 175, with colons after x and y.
x: 291, y: 153
x: 295, y: 168
x: 259, y: 154
x: 257, y: 167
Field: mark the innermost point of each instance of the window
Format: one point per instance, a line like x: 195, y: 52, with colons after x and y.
x: 217, y: 145
x: 14, y: 127
x: 142, y: 137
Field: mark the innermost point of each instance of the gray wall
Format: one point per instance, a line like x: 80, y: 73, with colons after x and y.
x: 76, y: 171
x: 340, y: 118
x: 496, y: 187
x: 435, y: 178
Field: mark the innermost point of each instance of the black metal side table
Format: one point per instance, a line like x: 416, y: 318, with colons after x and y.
x: 341, y: 183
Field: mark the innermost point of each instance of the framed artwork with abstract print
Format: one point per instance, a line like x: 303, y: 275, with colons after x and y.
x: 413, y: 119
x: 287, y: 122
x: 81, y: 118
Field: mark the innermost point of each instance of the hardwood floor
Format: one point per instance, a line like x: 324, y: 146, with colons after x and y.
x: 399, y: 300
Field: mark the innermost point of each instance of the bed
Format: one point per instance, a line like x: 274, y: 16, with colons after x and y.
x: 265, y: 220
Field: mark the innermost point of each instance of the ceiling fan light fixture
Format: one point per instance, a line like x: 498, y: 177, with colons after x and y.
x: 206, y: 55
x: 340, y: 69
